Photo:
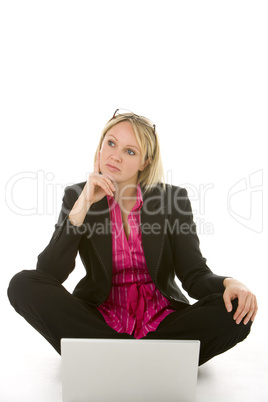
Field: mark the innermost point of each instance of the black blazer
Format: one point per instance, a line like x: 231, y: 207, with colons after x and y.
x: 170, y: 244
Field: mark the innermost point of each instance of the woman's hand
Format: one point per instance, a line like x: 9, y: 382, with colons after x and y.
x: 247, y: 301
x: 97, y: 185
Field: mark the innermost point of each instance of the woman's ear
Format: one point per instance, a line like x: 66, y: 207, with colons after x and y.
x: 144, y: 165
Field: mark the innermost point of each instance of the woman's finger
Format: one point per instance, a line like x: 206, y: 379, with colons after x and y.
x: 106, y: 177
x: 227, y: 301
x: 97, y: 164
x: 255, y: 308
x: 241, y: 305
x: 101, y: 182
x: 249, y: 315
x: 245, y: 310
x: 108, y: 181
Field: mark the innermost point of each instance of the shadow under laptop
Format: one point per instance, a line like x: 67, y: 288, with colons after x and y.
x: 204, y: 373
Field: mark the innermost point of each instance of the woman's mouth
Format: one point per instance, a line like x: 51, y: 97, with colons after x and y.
x: 113, y: 168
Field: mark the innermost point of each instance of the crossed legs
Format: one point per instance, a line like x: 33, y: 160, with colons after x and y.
x: 56, y: 314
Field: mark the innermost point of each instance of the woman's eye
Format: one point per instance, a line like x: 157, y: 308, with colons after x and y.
x: 129, y: 150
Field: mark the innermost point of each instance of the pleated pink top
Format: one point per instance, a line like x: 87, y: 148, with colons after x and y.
x: 135, y: 306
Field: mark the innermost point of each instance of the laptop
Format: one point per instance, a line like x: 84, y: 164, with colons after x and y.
x: 128, y: 370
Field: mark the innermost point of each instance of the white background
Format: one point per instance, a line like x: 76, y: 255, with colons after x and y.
x: 198, y: 70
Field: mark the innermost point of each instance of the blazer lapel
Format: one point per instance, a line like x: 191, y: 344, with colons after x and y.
x: 153, y: 216
x: 98, y: 222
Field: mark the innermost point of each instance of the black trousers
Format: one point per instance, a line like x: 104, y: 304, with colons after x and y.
x: 56, y: 314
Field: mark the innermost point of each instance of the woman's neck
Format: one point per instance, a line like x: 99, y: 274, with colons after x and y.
x: 126, y: 196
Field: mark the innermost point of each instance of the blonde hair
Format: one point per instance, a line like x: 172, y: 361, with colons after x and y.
x: 149, y: 145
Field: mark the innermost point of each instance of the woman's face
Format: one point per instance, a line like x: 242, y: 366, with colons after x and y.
x: 121, y: 150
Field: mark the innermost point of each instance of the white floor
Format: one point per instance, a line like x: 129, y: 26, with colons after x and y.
x: 31, y: 369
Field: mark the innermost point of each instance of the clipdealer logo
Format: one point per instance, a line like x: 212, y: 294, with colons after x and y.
x: 43, y: 197
x: 108, y: 227
x: 245, y: 201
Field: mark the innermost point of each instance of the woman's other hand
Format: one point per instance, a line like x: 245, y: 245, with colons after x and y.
x: 247, y: 301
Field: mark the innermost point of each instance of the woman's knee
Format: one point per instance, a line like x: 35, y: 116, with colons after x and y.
x: 240, y: 331
x: 22, y: 285
x: 228, y: 324
x: 18, y: 285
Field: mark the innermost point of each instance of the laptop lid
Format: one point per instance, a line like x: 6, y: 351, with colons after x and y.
x: 115, y: 370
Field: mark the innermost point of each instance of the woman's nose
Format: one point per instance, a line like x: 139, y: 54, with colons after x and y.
x: 116, y: 155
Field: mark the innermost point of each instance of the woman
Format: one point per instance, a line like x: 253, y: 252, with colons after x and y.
x: 134, y: 234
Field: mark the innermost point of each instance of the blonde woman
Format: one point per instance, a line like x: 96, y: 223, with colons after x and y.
x: 134, y: 234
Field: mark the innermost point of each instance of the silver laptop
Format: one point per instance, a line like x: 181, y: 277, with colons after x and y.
x: 115, y: 370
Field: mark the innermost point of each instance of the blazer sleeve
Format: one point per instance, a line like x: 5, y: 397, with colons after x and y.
x: 58, y: 258
x: 190, y: 266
